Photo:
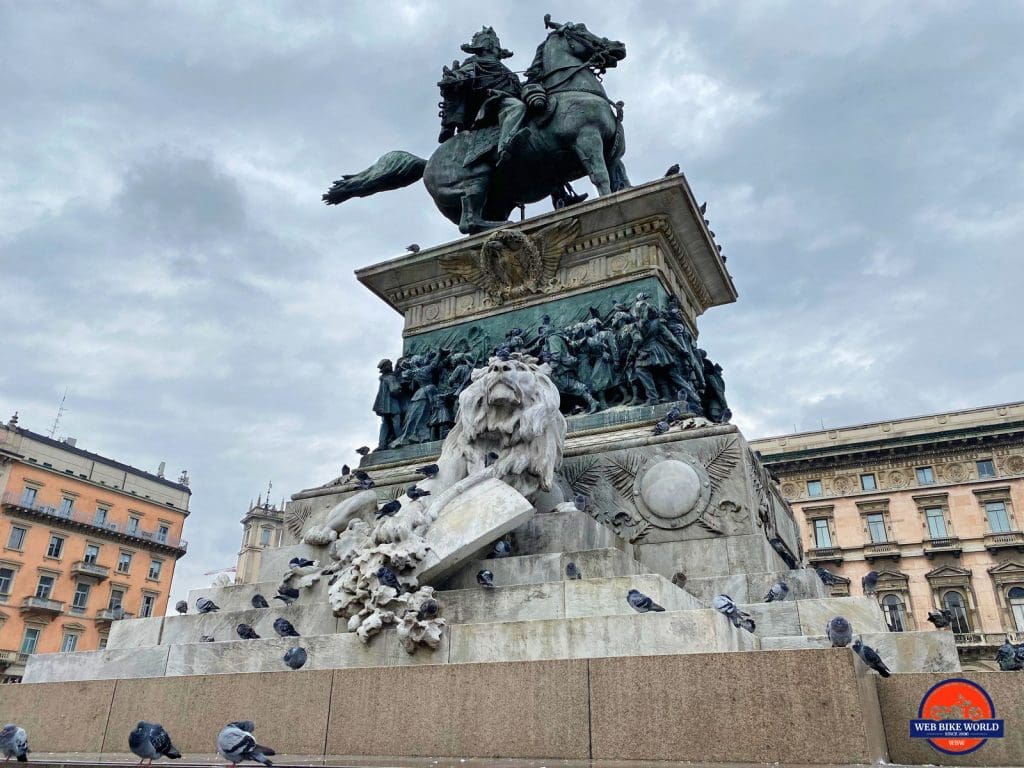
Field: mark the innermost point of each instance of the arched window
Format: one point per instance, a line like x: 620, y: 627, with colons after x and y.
x: 1016, y: 596
x: 895, y: 613
x: 954, y: 603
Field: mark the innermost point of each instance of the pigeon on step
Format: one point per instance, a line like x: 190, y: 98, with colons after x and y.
x: 839, y: 631
x: 740, y: 619
x: 641, y: 603
x: 14, y: 743
x: 149, y: 741
x: 205, y: 605
x: 284, y: 628
x: 235, y: 743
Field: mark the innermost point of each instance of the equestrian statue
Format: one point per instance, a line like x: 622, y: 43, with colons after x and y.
x: 505, y: 143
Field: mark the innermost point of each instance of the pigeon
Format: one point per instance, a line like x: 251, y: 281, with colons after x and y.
x: 284, y: 628
x: 679, y: 579
x: 502, y: 548
x: 295, y: 657
x: 660, y: 428
x: 14, y: 743
x: 300, y: 562
x: 703, y: 208
x: 839, y: 632
x: 181, y: 606
x: 235, y: 743
x: 941, y: 619
x: 490, y: 458
x: 287, y: 595
x: 672, y: 169
x: 415, y: 493
x: 345, y: 470
x: 1010, y: 657
x: 870, y: 657
x: 485, y: 579
x: 740, y: 619
x: 365, y: 485
x: 388, y: 578
x: 246, y: 632
x: 413, y: 248
x: 205, y: 605
x: 428, y: 470
x: 580, y: 502
x: 641, y: 603
x: 674, y: 415
x: 206, y: 639
x: 363, y: 450
x: 389, y: 509
x: 149, y: 741
x: 503, y: 353
x: 778, y: 592
x: 828, y: 578
x: 783, y: 552
x: 572, y: 571
x: 259, y: 601
x: 869, y: 582
x: 428, y: 609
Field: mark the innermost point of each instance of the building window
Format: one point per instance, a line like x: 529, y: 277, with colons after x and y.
x: 44, y: 587
x: 867, y: 482
x: 133, y: 525
x: 31, y: 639
x: 265, y: 537
x: 100, y: 518
x: 124, y: 562
x: 936, y: 523
x: 986, y: 468
x: 1016, y: 597
x: 154, y: 569
x: 822, y: 535
x: 147, y: 606
x: 162, y: 533
x: 92, y: 553
x: 103, y: 642
x: 116, y: 599
x: 56, y: 547
x: 81, y: 599
x: 28, y: 496
x: 998, y: 520
x: 925, y: 476
x: 895, y: 613
x: 954, y: 603
x: 65, y: 507
x: 17, y: 538
x: 6, y: 580
x: 69, y: 643
x: 876, y: 528
x: 814, y: 487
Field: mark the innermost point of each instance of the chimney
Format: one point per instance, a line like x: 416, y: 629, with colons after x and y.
x: 71, y: 442
x: 161, y: 468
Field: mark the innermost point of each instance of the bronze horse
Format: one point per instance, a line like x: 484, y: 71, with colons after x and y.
x: 579, y: 133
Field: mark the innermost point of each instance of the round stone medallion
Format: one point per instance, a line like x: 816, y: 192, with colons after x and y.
x: 672, y: 493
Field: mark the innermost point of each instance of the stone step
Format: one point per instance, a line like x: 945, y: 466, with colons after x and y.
x: 557, y: 532
x: 902, y: 652
x: 535, y: 569
x: 751, y: 587
x: 238, y: 597
x: 809, y: 617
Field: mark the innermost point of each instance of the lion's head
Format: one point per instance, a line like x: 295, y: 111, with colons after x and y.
x: 510, y: 408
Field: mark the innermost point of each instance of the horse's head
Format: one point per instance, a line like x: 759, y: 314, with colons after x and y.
x: 586, y: 46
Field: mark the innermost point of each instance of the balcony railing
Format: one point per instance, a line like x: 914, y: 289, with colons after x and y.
x: 8, y: 657
x: 82, y: 568
x: 112, y: 614
x: 882, y: 549
x: 969, y: 638
x: 1005, y: 540
x: 825, y: 555
x: 42, y: 605
x: 88, y: 519
x: 948, y: 545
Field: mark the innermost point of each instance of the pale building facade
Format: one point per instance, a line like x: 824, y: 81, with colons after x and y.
x: 84, y: 539
x: 261, y: 529
x: 933, y: 503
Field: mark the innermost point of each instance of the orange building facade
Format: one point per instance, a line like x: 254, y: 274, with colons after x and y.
x: 84, y: 540
x: 934, y: 504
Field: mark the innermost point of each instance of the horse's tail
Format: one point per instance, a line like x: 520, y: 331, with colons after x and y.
x: 393, y: 170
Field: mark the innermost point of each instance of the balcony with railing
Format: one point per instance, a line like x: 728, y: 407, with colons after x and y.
x: 84, y: 568
x: 969, y: 638
x: 8, y: 657
x: 949, y: 545
x: 825, y: 555
x: 17, y: 504
x: 42, y: 606
x: 882, y: 549
x: 108, y: 615
x: 1005, y: 540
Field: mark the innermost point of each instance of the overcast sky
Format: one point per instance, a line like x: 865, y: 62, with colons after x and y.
x: 164, y: 252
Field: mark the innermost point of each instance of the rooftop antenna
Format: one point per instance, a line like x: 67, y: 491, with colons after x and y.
x: 60, y: 412
x: 270, y: 484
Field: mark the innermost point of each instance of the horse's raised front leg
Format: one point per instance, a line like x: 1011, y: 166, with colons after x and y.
x: 589, y: 148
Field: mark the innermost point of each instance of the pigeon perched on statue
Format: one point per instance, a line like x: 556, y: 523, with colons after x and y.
x: 428, y: 470
x: 672, y: 169
x: 941, y: 619
x: 674, y: 415
x: 783, y: 551
x: 641, y: 603
x: 485, y: 579
x: 415, y: 493
x: 777, y: 593
x: 14, y: 743
x: 388, y: 578
x: 363, y: 450
x: 413, y: 248
x: 740, y: 619
x: 490, y: 458
x: 181, y: 606
x: 287, y: 595
x: 839, y: 632
x: 869, y: 582
x: 502, y: 548
x: 300, y: 562
x: 428, y: 609
x: 572, y: 571
x: 295, y: 657
x: 150, y: 741
x: 205, y: 605
x: 284, y: 628
x: 828, y: 578
x: 246, y: 632
x: 235, y: 743
x: 580, y: 502
x: 870, y: 657
x: 259, y: 601
x: 346, y: 470
x: 389, y: 509
x: 660, y: 428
